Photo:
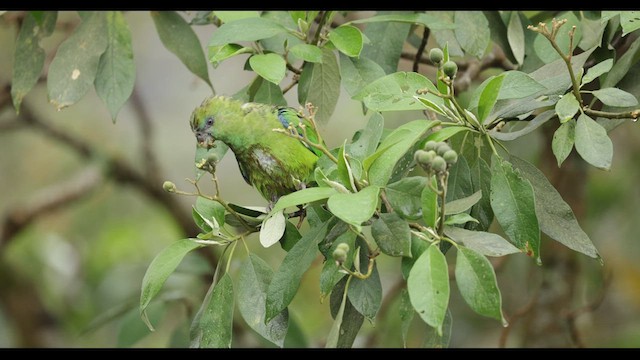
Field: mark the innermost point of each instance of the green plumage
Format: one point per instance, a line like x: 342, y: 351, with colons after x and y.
x: 274, y: 163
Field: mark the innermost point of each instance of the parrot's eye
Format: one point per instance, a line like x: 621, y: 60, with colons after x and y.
x: 210, y: 121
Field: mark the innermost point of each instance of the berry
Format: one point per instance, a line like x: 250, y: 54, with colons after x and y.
x: 442, y: 148
x: 424, y: 157
x: 436, y: 55
x: 450, y: 68
x: 343, y: 246
x: 430, y: 145
x: 438, y: 164
x: 169, y: 186
x: 450, y: 157
x: 339, y: 255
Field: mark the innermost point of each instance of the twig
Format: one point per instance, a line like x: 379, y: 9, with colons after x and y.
x: 152, y: 168
x: 47, y: 200
x: 572, y: 315
x: 423, y: 44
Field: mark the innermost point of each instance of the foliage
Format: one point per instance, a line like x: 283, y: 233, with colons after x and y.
x: 413, y: 192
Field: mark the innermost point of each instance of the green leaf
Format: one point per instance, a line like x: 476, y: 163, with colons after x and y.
x: 563, y: 140
x: 477, y: 283
x: 178, y: 37
x: 535, y: 123
x: 515, y: 35
x: 302, y: 197
x: 355, y: 208
x: 446, y: 37
x: 518, y: 85
x: 159, y: 270
x: 463, y: 204
x: 459, y: 184
x: 356, y: 73
x: 202, y: 154
x: 418, y: 247
x: 404, y: 196
x: 307, y: 52
x: 431, y: 21
x: 210, y: 209
x: 485, y: 243
x: 271, y: 67
x: 347, y: 39
x: 351, y: 319
x: 555, y: 77
x: 366, y: 294
x: 291, y: 236
x: 320, y: 85
x: 428, y: 286
x: 229, y: 16
x: 595, y: 71
x: 567, y: 107
x: 253, y: 282
x: 501, y: 35
x: 472, y: 31
x: 212, y: 326
x: 554, y: 214
x: 543, y: 47
x: 28, y: 58
x: 392, y: 234
x: 622, y: 65
x: 269, y: 93
x: 343, y: 170
x: 593, y: 143
x: 116, y: 69
x: 249, y: 29
x: 330, y: 273
x: 489, y: 96
x: 445, y: 133
x: 434, y: 340
x: 630, y: 21
x: 592, y: 30
x: 386, y: 42
x: 334, y: 333
x: 481, y: 180
x: 393, y: 148
x: 513, y: 203
x: 406, y: 314
x: 368, y: 138
x: 615, y: 97
x: 222, y: 52
x: 429, y: 201
x: 397, y: 92
x: 459, y: 219
x: 272, y: 228
x: 73, y: 70
x: 286, y: 280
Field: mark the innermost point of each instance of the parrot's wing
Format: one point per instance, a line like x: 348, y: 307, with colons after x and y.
x: 244, y: 172
x: 289, y: 116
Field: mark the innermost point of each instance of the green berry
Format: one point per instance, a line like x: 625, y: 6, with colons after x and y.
x: 438, y: 164
x: 424, y: 157
x: 169, y: 186
x: 450, y: 157
x: 436, y: 55
x: 430, y: 145
x: 339, y: 255
x: 450, y: 68
x: 442, y: 148
x: 343, y: 246
x: 212, y: 158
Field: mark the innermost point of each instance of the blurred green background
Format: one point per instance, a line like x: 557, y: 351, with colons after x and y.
x: 72, y: 278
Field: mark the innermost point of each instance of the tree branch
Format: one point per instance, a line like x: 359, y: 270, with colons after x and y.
x: 423, y: 44
x: 47, y: 200
x: 152, y: 169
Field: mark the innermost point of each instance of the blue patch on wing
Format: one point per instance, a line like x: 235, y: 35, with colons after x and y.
x: 283, y: 117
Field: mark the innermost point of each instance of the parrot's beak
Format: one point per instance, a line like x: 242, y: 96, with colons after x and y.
x: 204, y: 140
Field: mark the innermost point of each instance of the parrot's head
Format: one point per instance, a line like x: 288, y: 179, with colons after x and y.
x: 205, y: 118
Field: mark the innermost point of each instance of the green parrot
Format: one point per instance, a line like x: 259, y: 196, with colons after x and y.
x: 274, y: 163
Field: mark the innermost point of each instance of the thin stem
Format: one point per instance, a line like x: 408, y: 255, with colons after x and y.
x: 423, y: 44
x: 233, y: 249
x: 443, y: 195
x: 634, y: 114
x: 323, y: 19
